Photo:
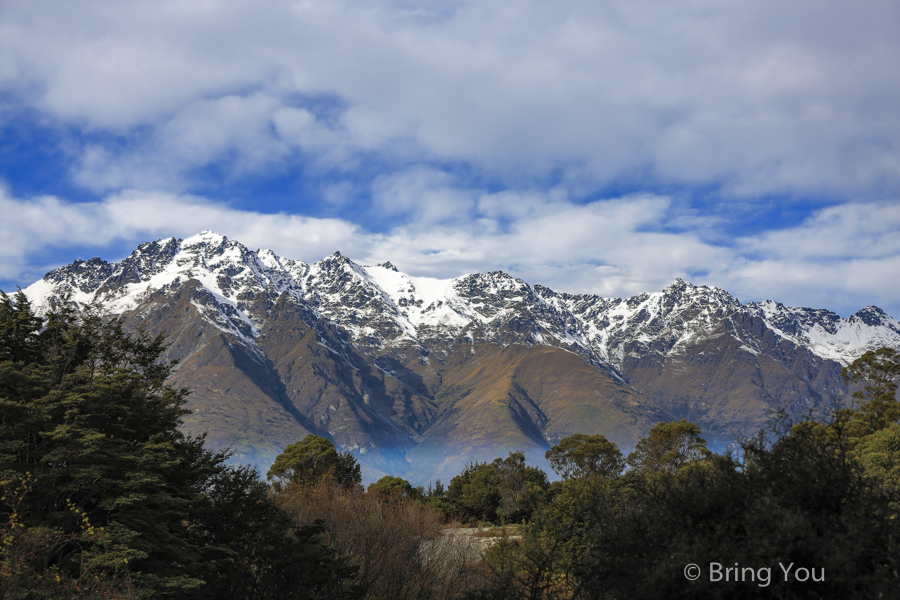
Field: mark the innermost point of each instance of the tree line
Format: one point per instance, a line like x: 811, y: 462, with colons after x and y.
x: 101, y: 496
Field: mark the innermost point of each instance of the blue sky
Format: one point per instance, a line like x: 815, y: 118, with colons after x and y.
x: 604, y: 147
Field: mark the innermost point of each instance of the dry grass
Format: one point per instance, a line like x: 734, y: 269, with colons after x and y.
x: 398, y: 546
x: 495, y: 532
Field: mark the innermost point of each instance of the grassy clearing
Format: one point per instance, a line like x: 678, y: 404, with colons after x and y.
x: 487, y: 531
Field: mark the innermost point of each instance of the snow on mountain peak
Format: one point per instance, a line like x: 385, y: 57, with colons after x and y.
x: 380, y: 306
x: 206, y: 236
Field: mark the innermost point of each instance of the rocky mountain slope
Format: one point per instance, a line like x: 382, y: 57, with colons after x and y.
x: 417, y: 376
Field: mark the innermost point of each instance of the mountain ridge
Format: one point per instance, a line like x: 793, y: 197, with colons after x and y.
x: 380, y: 361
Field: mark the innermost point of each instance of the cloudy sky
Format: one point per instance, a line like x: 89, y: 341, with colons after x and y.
x: 605, y: 146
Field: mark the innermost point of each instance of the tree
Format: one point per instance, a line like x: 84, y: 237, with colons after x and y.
x: 436, y: 496
x: 18, y: 330
x: 24, y: 547
x: 87, y: 418
x: 668, y: 447
x: 582, y: 455
x: 85, y: 409
x: 311, y: 460
x: 803, y: 501
x: 253, y: 549
x: 475, y: 492
x: 398, y: 547
x: 521, y: 487
x: 395, y: 487
x: 879, y: 454
x: 506, y: 488
x: 877, y: 374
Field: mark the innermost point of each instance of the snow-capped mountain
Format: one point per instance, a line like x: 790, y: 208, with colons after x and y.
x: 378, y: 306
x: 827, y: 334
x: 388, y: 364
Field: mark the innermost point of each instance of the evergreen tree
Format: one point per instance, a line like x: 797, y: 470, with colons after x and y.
x: 475, y: 493
x: 87, y: 417
x: 521, y: 487
x: 818, y: 498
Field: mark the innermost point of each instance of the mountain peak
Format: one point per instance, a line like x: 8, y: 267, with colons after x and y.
x: 384, y: 362
x: 207, y: 236
x: 872, y: 316
x: 334, y: 259
x: 679, y: 285
x: 384, y: 306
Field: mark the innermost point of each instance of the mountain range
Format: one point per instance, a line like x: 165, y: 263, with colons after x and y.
x: 418, y: 376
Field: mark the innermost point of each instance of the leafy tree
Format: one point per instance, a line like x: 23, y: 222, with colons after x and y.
x: 521, y: 487
x: 395, y: 487
x: 84, y: 407
x: 87, y: 417
x: 436, y: 490
x: 18, y: 330
x: 668, y: 447
x: 24, y: 546
x: 877, y: 374
x: 505, y: 488
x: 436, y: 496
x: 253, y: 549
x: 311, y: 460
x: 475, y: 492
x: 582, y: 455
x: 398, y: 547
x: 879, y: 455
x: 804, y: 500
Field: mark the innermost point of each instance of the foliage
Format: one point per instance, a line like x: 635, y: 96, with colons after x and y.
x: 819, y: 497
x: 84, y: 407
x: 668, y: 447
x: 879, y: 455
x: 521, y: 487
x: 24, y: 549
x: 253, y: 549
x: 85, y: 412
x: 102, y: 496
x: 475, y: 493
x: 395, y: 487
x: 436, y: 497
x: 582, y: 455
x: 311, y: 460
x: 505, y: 489
x: 397, y: 546
x: 877, y: 374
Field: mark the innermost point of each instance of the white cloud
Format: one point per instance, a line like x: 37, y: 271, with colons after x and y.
x: 841, y: 258
x: 424, y: 195
x: 602, y: 247
x: 862, y: 230
x: 34, y: 226
x: 763, y: 96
